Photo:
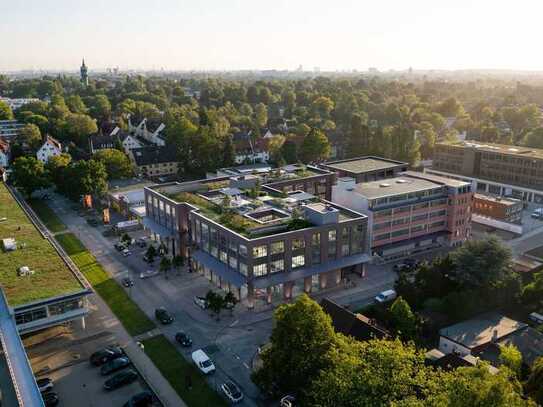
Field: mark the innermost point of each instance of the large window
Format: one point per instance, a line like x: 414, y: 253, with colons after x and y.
x: 243, y: 268
x: 316, y: 239
x: 298, y: 261
x: 66, y: 306
x: 277, y: 266
x: 357, y: 239
x: 233, y: 262
x: 400, y: 232
x: 223, y: 256
x: 260, y: 251
x: 243, y: 250
x: 277, y: 247
x: 298, y: 244
x: 30, y: 316
x: 260, y: 269
x: 332, y: 235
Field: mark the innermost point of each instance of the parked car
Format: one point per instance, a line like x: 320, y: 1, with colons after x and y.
x: 183, y: 339
x: 386, y: 296
x: 45, y: 384
x: 121, y: 379
x: 119, y: 246
x: 232, y: 391
x: 127, y: 282
x: 50, y: 399
x: 126, y: 252
x: 148, y: 259
x: 149, y: 273
x: 163, y: 316
x: 142, y: 242
x: 203, y: 362
x: 114, y: 365
x: 536, y: 317
x: 537, y: 214
x: 406, y: 265
x: 143, y: 399
x: 287, y: 401
x: 201, y: 302
x: 105, y: 355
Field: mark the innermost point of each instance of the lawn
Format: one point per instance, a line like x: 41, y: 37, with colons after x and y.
x: 130, y: 315
x: 175, y: 368
x: 51, y: 277
x: 47, y: 216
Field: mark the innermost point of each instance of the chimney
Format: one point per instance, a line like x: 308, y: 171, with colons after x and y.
x: 494, y: 335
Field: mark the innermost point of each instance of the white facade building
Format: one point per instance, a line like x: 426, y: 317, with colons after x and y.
x: 50, y: 148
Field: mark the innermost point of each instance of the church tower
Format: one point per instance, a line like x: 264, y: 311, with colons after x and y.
x: 84, y: 75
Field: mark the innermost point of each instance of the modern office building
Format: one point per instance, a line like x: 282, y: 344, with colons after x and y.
x: 502, y: 209
x: 257, y: 241
x: 366, y: 169
x: 42, y: 286
x: 495, y: 169
x: 411, y: 213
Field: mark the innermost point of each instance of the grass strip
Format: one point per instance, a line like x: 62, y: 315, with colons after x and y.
x: 175, y: 368
x: 47, y: 216
x: 127, y: 311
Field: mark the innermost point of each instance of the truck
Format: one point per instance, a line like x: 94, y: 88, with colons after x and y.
x: 128, y: 225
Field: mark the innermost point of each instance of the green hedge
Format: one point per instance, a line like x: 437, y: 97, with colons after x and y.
x: 127, y: 311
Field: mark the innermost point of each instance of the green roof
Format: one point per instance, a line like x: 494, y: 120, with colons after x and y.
x: 51, y: 277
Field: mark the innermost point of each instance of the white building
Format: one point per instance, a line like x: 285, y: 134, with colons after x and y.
x: 151, y: 132
x: 10, y: 128
x: 4, y: 153
x: 51, y: 147
x: 129, y: 143
x: 18, y: 102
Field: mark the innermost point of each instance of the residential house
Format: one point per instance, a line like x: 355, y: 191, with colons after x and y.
x: 129, y: 142
x: 348, y: 323
x: 51, y: 147
x: 148, y: 130
x: 4, y: 153
x: 249, y: 149
x: 154, y: 161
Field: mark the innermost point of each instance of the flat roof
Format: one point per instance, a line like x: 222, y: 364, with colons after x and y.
x: 362, y: 165
x: 51, y: 277
x: 479, y: 331
x: 450, y: 182
x: 519, y: 151
x: 394, y: 186
x: 503, y: 201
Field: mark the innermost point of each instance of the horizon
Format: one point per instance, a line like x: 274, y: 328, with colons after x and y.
x: 243, y: 35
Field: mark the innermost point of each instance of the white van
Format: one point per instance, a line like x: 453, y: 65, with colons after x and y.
x: 202, y: 361
x: 535, y: 317
x: 386, y: 296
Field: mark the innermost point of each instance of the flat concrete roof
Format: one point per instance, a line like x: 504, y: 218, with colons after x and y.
x: 450, y: 182
x: 519, y: 151
x: 481, y: 330
x: 394, y: 186
x: 362, y: 165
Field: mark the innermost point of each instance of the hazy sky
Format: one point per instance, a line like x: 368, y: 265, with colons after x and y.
x: 280, y: 34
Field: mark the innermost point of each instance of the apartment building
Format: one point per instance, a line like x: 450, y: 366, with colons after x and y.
x: 496, y: 207
x: 258, y: 242
x: 366, y: 169
x: 51, y: 147
x: 10, y: 129
x: 411, y: 213
x: 496, y: 169
x: 154, y: 161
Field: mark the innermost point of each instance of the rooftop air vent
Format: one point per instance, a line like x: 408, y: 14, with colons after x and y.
x: 384, y: 185
x: 401, y: 181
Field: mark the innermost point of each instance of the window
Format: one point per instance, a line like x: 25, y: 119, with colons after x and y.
x: 63, y: 307
x: 400, y: 221
x: 260, y: 251
x: 233, y: 246
x: 400, y: 232
x: 233, y: 262
x: 30, y: 316
x: 418, y: 228
x: 298, y: 244
x: 316, y: 239
x: 332, y: 235
x: 357, y: 239
x: 224, y: 257
x: 260, y: 269
x: 345, y: 249
x: 243, y: 268
x: 437, y: 224
x: 277, y: 247
x: 298, y: 261
x: 382, y: 237
x: 277, y: 266
x: 424, y: 216
x: 380, y: 226
x: 438, y: 213
x: 243, y: 250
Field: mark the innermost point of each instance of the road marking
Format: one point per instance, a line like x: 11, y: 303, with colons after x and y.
x: 234, y: 323
x: 246, y: 365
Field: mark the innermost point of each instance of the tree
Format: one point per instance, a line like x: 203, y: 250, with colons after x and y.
x: 116, y: 162
x: 403, y: 319
x: 482, y: 263
x: 323, y: 106
x: 78, y: 127
x: 100, y: 108
x: 261, y: 114
x: 534, y: 384
x: 289, y: 151
x: 151, y: 253
x: 5, y: 111
x: 215, y: 302
x: 165, y: 265
x: 29, y: 175
x: 534, y: 138
x: 30, y: 136
x: 56, y: 169
x: 300, y: 339
x: 126, y: 238
x: 85, y: 178
x: 315, y: 147
x: 427, y: 137
x: 358, y: 143
x: 76, y: 104
x: 511, y: 357
x: 228, y: 153
x: 274, y: 147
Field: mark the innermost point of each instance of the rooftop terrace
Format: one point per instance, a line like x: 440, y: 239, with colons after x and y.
x: 51, y: 277
x: 520, y: 151
x: 363, y: 164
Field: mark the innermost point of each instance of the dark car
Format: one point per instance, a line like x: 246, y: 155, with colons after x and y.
x: 50, y: 399
x: 143, y: 399
x: 127, y: 282
x: 114, y: 365
x: 119, y: 246
x: 148, y: 259
x: 105, y: 355
x: 121, y: 379
x: 183, y: 339
x: 232, y: 391
x: 406, y: 265
x: 45, y: 384
x: 163, y: 316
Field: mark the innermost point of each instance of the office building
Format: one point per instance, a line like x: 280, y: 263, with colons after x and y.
x: 502, y: 209
x: 496, y: 169
x: 366, y: 169
x: 411, y: 213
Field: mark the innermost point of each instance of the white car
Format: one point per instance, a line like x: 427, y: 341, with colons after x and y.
x: 232, y: 391
x: 149, y: 273
x: 203, y: 362
x: 201, y: 302
x: 126, y: 252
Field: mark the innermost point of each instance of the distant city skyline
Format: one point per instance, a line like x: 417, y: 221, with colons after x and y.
x: 243, y: 34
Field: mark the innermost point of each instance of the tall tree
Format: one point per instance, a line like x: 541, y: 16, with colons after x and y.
x: 78, y: 128
x: 289, y: 151
x: 315, y: 147
x: 358, y: 142
x: 29, y: 175
x: 30, y: 136
x: 5, y: 111
x: 405, y: 322
x: 116, y: 163
x: 85, y: 178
